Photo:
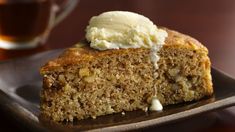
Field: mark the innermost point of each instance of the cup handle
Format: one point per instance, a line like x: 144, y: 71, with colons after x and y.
x: 59, y: 12
x: 63, y: 10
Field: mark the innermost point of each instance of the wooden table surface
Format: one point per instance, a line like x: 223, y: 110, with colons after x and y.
x: 212, y: 22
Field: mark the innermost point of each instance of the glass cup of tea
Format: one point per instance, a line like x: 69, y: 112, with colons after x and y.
x: 26, y: 24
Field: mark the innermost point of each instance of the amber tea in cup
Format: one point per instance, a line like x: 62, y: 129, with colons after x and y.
x: 27, y: 23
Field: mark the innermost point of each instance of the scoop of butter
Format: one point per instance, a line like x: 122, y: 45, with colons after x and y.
x: 122, y: 29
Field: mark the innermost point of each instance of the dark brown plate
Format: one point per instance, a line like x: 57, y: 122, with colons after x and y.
x: 21, y: 83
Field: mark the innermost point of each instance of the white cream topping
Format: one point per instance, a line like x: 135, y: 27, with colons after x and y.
x: 122, y: 29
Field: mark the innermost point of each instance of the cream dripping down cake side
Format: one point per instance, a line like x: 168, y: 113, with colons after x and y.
x: 126, y: 63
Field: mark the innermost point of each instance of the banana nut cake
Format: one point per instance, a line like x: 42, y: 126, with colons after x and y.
x: 91, y: 79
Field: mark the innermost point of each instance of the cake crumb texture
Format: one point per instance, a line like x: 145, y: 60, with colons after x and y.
x: 86, y: 83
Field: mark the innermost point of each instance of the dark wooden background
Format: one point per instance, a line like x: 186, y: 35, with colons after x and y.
x: 212, y: 22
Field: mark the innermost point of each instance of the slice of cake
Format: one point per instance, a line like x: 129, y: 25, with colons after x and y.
x: 119, y: 70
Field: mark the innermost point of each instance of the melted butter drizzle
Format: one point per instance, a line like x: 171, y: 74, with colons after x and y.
x: 155, y: 103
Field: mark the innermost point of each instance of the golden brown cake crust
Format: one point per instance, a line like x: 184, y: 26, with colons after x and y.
x: 82, y: 51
